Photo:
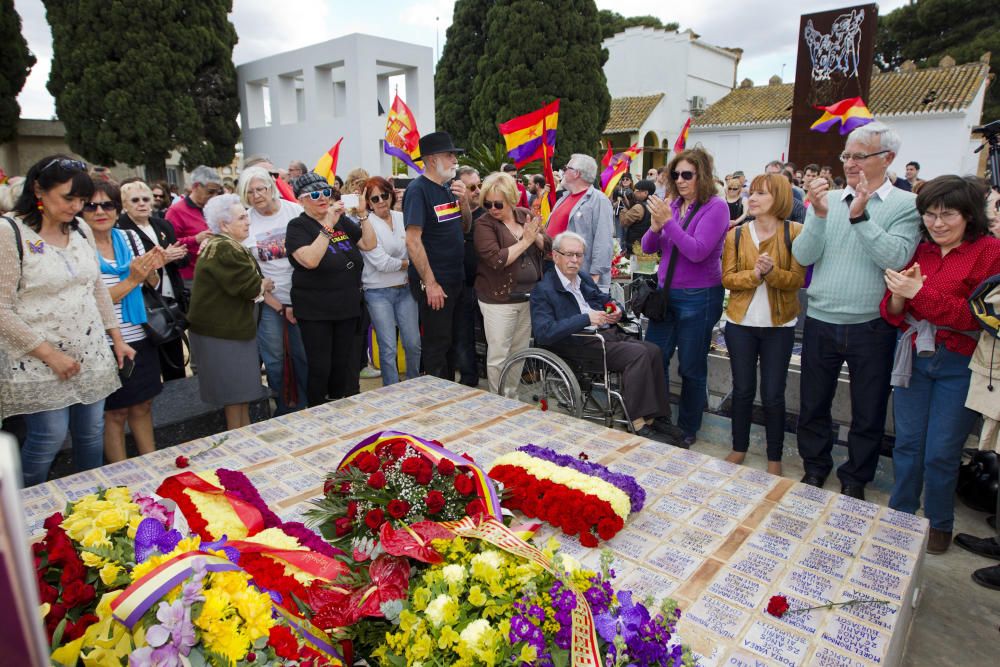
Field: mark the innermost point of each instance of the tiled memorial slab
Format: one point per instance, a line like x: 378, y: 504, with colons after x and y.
x: 720, y: 539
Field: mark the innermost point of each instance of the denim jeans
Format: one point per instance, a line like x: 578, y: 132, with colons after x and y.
x: 391, y: 308
x: 688, y: 329
x: 47, y: 432
x: 867, y: 348
x: 271, y: 344
x: 932, y: 423
x: 773, y: 346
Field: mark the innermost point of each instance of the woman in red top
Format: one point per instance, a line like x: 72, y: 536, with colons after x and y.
x: 927, y: 300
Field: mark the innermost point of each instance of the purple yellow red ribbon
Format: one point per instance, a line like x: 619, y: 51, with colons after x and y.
x: 433, y: 452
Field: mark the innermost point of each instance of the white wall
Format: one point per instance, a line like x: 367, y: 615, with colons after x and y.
x: 742, y: 149
x: 341, y: 82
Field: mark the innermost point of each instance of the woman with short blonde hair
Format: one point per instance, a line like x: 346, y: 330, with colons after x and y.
x: 511, y: 250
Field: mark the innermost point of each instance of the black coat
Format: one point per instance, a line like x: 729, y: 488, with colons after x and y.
x: 166, y: 236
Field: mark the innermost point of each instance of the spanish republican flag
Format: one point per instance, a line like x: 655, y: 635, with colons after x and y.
x: 682, y: 138
x: 327, y: 165
x: 850, y: 113
x: 617, y: 167
x: 401, y: 137
x: 525, y: 134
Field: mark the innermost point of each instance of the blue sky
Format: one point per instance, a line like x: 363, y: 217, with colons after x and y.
x: 765, y: 30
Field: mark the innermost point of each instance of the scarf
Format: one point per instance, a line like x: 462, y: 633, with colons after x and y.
x: 133, y: 305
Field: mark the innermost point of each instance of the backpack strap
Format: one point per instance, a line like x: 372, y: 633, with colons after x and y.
x: 739, y: 232
x: 17, y: 238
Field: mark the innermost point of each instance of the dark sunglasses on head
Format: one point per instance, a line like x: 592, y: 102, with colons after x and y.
x: 315, y: 195
x: 136, y: 200
x: 498, y: 205
x: 377, y: 198
x: 65, y: 163
x: 92, y: 206
x: 686, y: 175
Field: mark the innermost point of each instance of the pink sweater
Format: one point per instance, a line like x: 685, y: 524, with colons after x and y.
x: 188, y: 221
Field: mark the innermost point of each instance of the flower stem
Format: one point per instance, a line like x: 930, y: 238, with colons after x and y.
x: 831, y: 605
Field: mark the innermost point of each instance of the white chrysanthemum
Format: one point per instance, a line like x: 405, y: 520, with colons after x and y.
x: 441, y: 609
x: 473, y: 633
x: 453, y: 574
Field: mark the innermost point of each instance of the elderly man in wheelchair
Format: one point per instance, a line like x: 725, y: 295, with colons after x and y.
x: 573, y: 318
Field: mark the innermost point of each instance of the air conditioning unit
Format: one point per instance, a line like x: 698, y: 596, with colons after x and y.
x: 697, y: 104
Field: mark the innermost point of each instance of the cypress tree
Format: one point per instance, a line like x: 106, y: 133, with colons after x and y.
x: 456, y: 71
x: 15, y: 63
x: 134, y: 80
x: 536, y: 51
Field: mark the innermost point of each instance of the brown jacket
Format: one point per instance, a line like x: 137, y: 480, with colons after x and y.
x: 492, y: 240
x: 783, y: 281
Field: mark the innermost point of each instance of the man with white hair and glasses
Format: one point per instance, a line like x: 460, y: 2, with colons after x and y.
x: 584, y: 210
x: 187, y: 218
x: 851, y: 236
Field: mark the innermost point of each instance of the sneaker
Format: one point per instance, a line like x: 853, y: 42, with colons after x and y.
x: 369, y: 373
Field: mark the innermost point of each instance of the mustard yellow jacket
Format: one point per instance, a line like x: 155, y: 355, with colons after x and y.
x: 783, y: 281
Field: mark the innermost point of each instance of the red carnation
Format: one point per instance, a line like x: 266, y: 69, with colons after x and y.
x: 374, y: 519
x: 367, y: 462
x: 412, y: 466
x: 352, y: 509
x: 777, y: 606
x: 398, y: 449
x: 463, y: 484
x: 446, y: 467
x: 434, y: 502
x: 182, y: 462
x: 377, y: 480
x: 329, y: 485
x: 283, y: 642
x: 475, y: 508
x: 76, y: 593
x: 343, y: 526
x: 606, y: 529
x: 398, y: 508
x: 424, y: 477
x: 544, y: 404
x: 73, y: 570
x: 76, y: 630
x: 587, y: 539
x: 47, y: 592
x: 53, y: 522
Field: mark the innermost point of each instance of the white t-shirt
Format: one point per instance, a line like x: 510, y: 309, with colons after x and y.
x: 759, y: 310
x: 267, y: 244
x: 383, y: 264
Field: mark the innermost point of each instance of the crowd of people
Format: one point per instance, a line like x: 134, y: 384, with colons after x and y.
x: 293, y: 283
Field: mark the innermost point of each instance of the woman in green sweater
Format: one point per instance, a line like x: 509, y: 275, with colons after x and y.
x: 227, y: 284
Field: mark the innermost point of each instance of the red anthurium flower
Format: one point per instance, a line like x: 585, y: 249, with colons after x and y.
x: 414, y: 541
x: 342, y: 607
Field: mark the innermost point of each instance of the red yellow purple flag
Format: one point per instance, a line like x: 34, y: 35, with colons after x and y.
x: 327, y: 164
x: 682, y: 138
x: 402, y: 140
x: 617, y: 166
x: 607, y: 156
x: 545, y: 209
x: 525, y: 134
x: 850, y: 113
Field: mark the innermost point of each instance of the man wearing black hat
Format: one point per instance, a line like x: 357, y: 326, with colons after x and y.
x: 436, y: 214
x: 636, y: 220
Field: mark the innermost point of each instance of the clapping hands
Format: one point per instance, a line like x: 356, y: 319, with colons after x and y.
x: 904, y: 284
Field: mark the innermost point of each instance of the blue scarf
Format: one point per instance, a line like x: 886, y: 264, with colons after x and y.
x: 133, y: 305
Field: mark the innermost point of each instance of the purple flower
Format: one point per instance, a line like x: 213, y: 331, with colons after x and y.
x: 152, y: 537
x: 191, y: 592
x: 164, y: 656
x: 626, y: 483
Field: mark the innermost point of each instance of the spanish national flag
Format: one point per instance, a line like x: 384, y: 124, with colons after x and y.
x: 327, y: 164
x: 525, y: 134
x: 850, y: 113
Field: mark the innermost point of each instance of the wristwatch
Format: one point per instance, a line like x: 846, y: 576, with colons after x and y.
x: 860, y: 218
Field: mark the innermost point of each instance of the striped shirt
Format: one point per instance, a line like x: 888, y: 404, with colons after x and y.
x: 130, y: 332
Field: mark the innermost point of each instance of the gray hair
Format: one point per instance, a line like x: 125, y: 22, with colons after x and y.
x: 203, y: 175
x: 888, y: 138
x: 299, y: 165
x: 558, y: 241
x: 466, y: 170
x: 249, y: 174
x: 585, y: 164
x: 218, y: 211
x: 254, y: 160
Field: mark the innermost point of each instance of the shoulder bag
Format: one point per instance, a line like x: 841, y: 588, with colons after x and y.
x: 647, y: 297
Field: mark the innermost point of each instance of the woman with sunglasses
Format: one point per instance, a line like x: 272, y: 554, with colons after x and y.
x: 511, y: 253
x: 125, y: 268
x: 390, y: 303
x: 279, y: 338
x: 734, y: 200
x: 138, y: 216
x: 689, y: 232
x: 56, y: 367
x: 324, y: 247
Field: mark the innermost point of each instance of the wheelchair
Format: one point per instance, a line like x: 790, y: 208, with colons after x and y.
x: 577, y: 383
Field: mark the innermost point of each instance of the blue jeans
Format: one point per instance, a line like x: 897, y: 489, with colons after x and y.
x: 932, y: 423
x: 688, y: 329
x: 46, y: 432
x: 391, y: 308
x: 271, y: 344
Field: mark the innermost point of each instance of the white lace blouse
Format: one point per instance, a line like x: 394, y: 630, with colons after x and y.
x: 55, y: 295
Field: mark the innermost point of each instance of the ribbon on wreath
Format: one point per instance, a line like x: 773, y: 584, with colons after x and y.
x: 433, y: 452
x: 584, y: 648
x: 129, y: 607
x: 312, y: 563
x: 173, y: 488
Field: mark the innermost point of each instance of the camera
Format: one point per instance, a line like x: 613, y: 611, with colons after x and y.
x: 991, y: 133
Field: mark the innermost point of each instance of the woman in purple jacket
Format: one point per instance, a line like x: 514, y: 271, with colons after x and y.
x: 690, y: 232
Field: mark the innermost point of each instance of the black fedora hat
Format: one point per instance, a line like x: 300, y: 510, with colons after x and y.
x: 437, y: 142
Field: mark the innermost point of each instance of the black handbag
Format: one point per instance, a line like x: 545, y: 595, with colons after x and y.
x: 647, y: 297
x: 165, y: 319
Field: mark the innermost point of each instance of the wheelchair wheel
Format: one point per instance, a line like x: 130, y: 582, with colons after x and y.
x: 542, y: 376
